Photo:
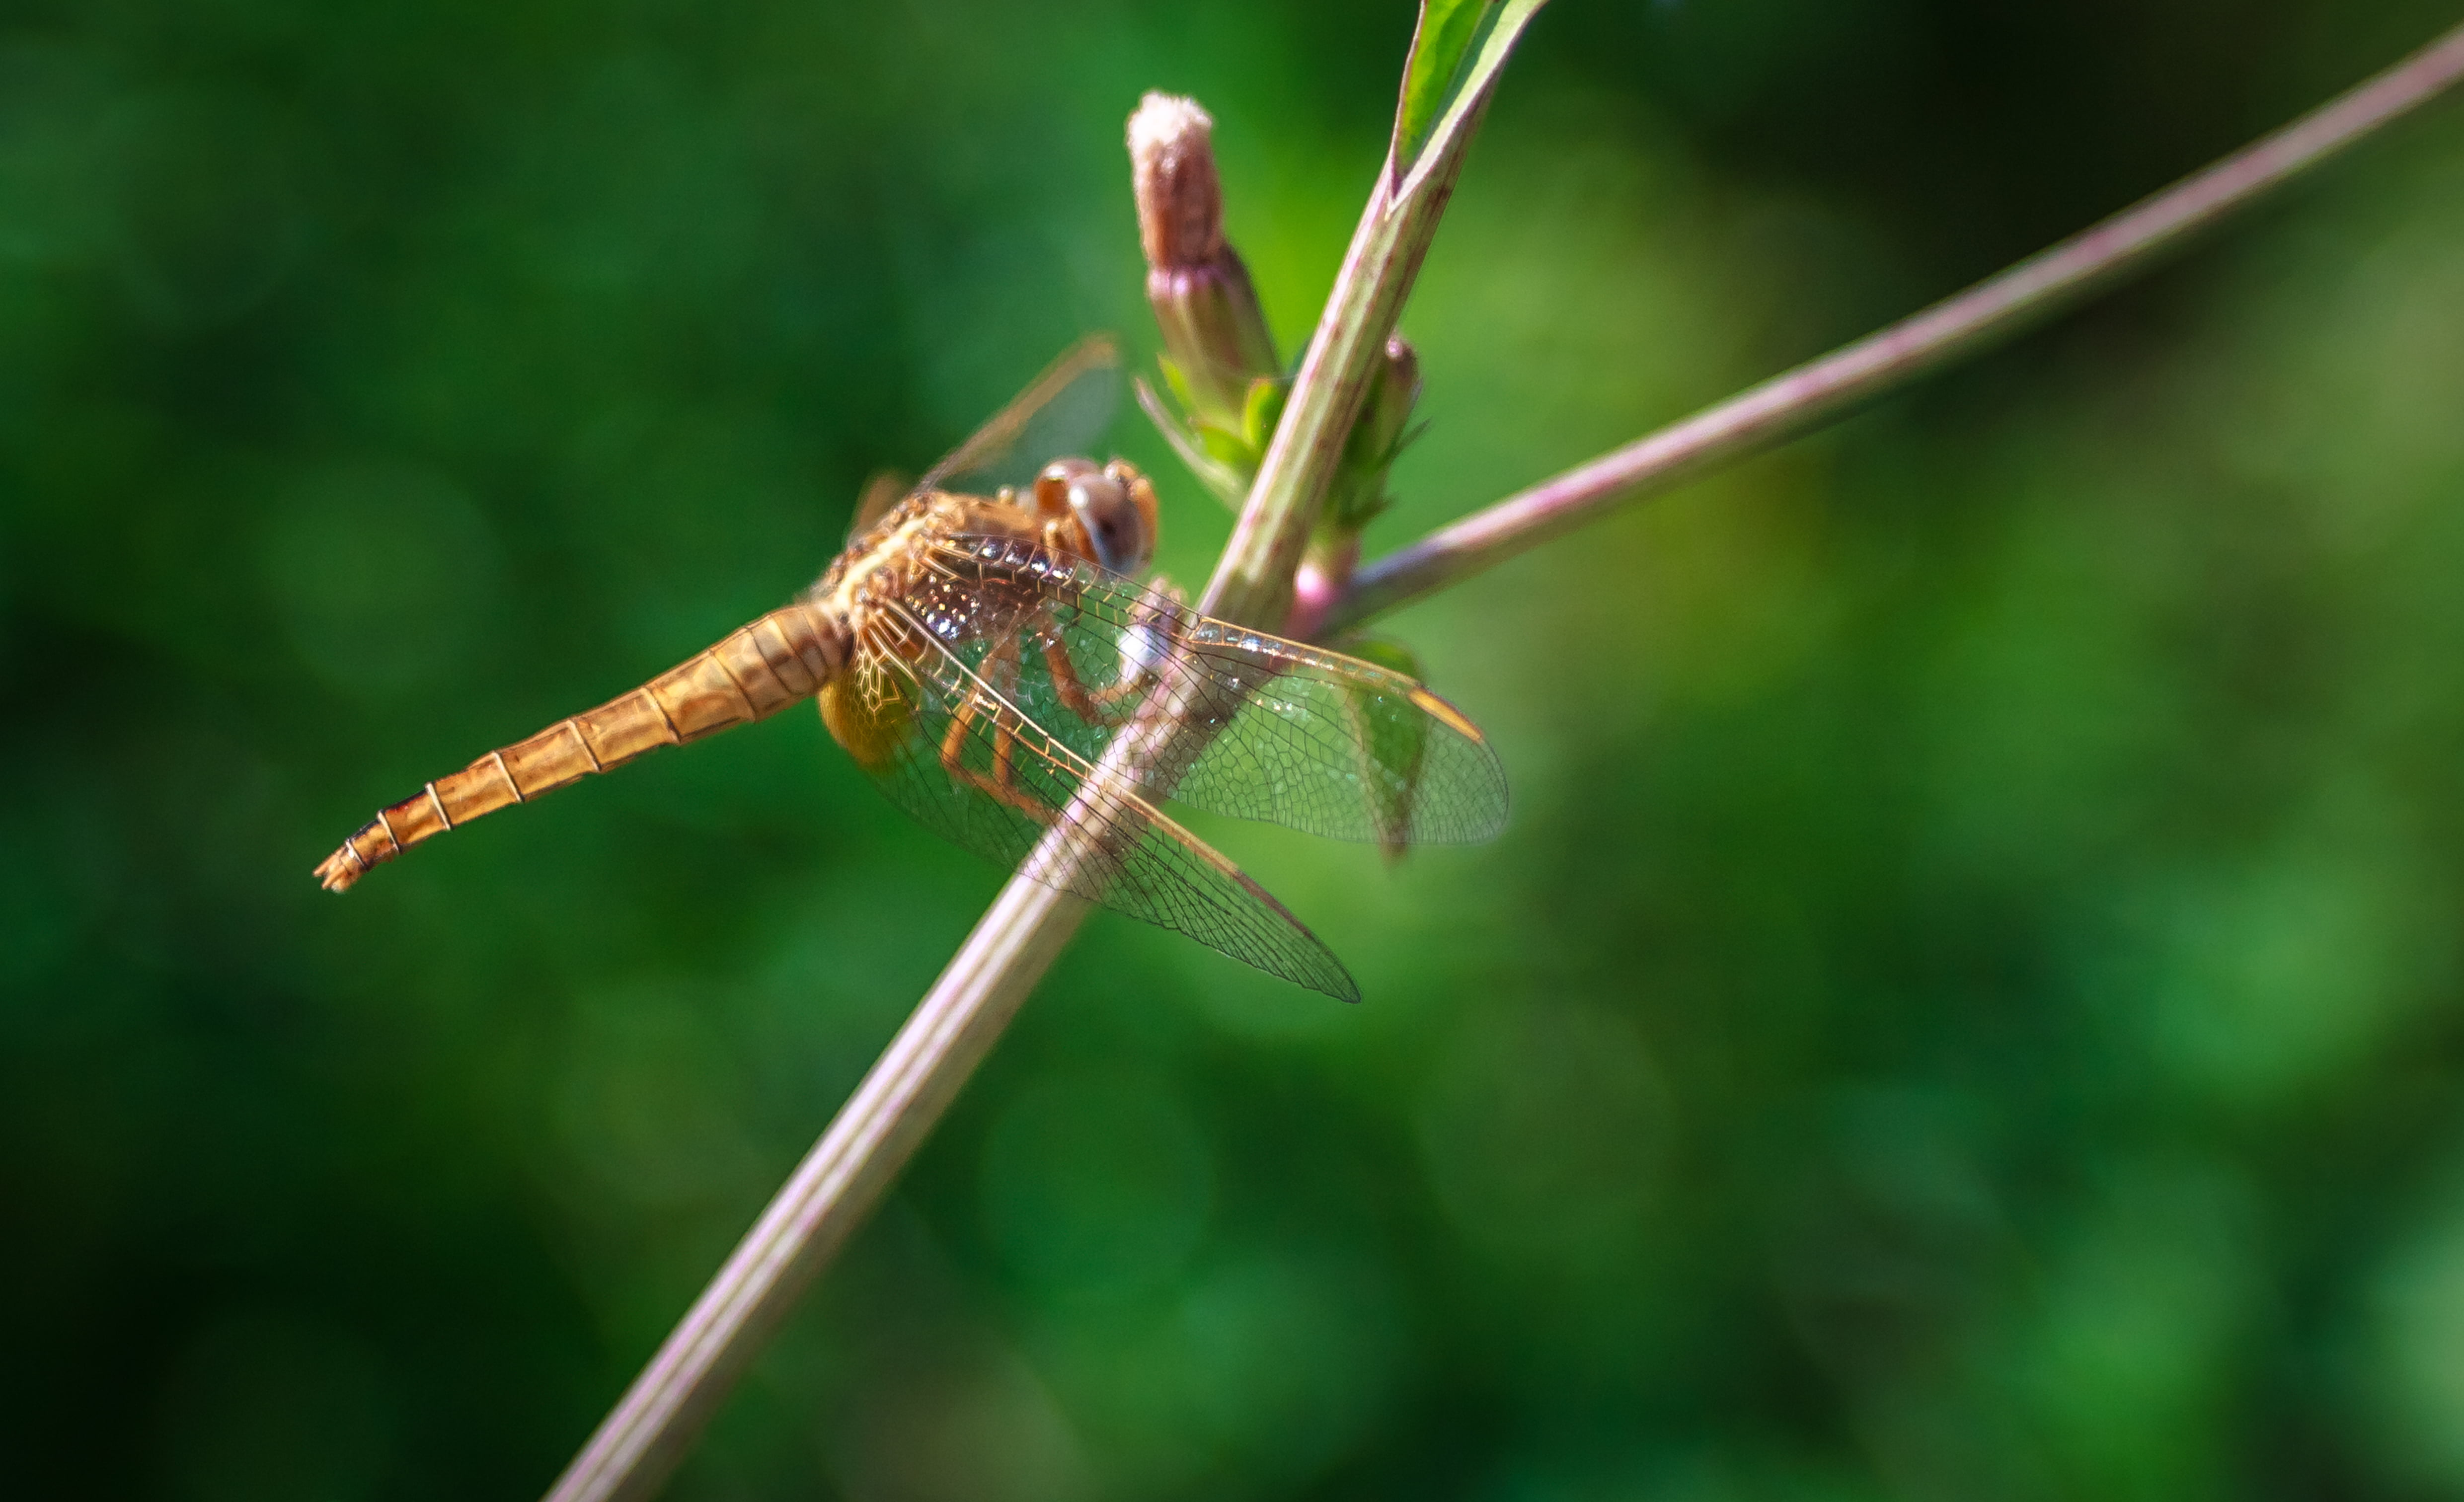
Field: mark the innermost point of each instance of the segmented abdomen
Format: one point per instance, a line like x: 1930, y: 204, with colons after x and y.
x: 786, y: 655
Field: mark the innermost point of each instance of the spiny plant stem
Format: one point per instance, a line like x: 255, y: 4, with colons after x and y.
x: 1959, y: 327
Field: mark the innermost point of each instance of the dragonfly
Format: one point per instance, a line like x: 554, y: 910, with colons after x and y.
x: 980, y: 648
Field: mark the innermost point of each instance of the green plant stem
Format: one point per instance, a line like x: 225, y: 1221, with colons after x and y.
x: 1252, y: 583
x: 1961, y: 326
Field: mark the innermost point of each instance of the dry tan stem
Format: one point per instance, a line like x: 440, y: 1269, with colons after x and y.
x: 661, y: 1415
x: 1790, y: 403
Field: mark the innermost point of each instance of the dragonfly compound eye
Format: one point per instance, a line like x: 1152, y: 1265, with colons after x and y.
x: 1118, y: 533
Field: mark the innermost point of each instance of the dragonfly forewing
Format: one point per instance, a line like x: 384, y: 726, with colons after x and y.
x: 974, y: 768
x: 1284, y: 733
x: 1062, y: 411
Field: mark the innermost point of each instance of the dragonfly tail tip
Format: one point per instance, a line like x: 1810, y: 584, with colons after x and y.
x: 335, y: 873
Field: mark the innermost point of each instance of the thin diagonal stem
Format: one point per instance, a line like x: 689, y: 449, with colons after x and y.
x: 655, y: 1423
x: 835, y: 1188
x: 1957, y: 328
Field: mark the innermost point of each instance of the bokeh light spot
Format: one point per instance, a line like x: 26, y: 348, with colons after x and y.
x: 1544, y: 1129
x: 386, y: 578
x: 1094, y: 1186
x: 650, y: 1102
x: 270, y: 1406
x: 2416, y: 1347
x: 978, y: 1430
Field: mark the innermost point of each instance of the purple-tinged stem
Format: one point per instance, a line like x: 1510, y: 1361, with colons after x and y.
x: 662, y: 1414
x: 1960, y: 326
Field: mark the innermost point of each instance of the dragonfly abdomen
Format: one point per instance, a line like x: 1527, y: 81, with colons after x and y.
x: 757, y: 670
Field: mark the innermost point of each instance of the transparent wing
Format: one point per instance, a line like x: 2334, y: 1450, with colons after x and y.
x: 971, y: 764
x: 1286, y: 732
x: 1062, y: 411
x: 883, y: 489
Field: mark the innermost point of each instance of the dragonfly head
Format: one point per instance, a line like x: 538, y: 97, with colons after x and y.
x: 1106, y: 514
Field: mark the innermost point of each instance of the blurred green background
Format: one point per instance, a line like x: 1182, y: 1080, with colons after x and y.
x: 1968, y: 1006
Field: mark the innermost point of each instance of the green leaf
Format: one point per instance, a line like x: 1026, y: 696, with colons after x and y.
x: 1178, y: 382
x: 1377, y: 273
x: 1226, y: 445
x: 1262, y: 410
x: 1475, y: 54
x: 1230, y: 485
x: 1392, y: 749
x: 1439, y: 47
x: 1387, y: 653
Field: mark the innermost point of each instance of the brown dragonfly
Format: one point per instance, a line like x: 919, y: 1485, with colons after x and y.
x: 978, y: 653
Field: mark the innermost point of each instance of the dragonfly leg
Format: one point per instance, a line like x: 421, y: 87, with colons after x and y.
x: 1094, y: 705
x: 1002, y: 783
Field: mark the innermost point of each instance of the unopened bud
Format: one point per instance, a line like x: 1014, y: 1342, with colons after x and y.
x: 1172, y: 166
x: 1213, y: 329
x: 1391, y: 400
x: 1377, y: 435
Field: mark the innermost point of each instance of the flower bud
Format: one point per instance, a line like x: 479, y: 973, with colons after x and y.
x: 1214, y: 332
x: 1380, y: 431
x: 1358, y: 491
